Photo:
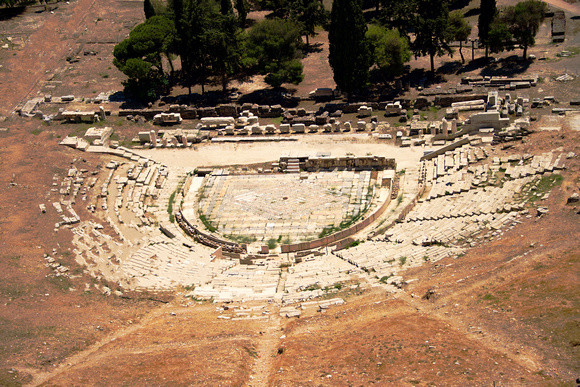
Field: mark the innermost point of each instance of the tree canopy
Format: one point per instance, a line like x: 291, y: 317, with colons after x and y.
x: 398, y: 14
x: 487, y: 15
x: 307, y: 14
x: 140, y: 56
x: 459, y: 29
x: 349, y: 55
x: 516, y: 25
x: 432, y: 35
x: 272, y: 48
x: 389, y: 50
x: 524, y: 20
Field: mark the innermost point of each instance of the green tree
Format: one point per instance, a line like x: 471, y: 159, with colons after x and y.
x: 459, y: 29
x: 242, y: 9
x: 524, y: 20
x: 432, y: 30
x: 272, y: 49
x: 148, y: 9
x: 349, y: 55
x: 307, y: 14
x: 140, y: 56
x: 194, y: 50
x: 487, y: 15
x: 208, y: 41
x: 499, y: 37
x: 226, y: 7
x: 223, y: 39
x: 398, y: 14
x: 389, y: 50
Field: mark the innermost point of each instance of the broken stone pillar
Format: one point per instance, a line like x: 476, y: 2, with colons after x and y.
x: 164, y: 141
x: 153, y: 138
x: 102, y: 113
x: 184, y: 141
x: 453, y: 126
x: 444, y: 127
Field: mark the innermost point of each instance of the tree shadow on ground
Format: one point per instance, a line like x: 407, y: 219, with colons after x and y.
x: 9, y: 13
x: 473, y: 65
x: 510, y: 66
x: 450, y: 68
x: 312, y: 48
x: 132, y: 103
x: 279, y: 96
x: 422, y: 78
x: 472, y: 12
x: 458, y: 4
x: 209, y: 98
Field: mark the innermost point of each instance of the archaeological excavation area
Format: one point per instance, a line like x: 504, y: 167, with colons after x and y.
x: 302, y: 225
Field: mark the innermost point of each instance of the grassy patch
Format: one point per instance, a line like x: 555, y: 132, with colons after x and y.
x: 354, y: 244
x: 251, y: 351
x: 61, y: 283
x: 489, y: 297
x: 242, y: 238
x: 170, y: 206
x: 13, y: 289
x: 543, y: 186
x: 12, y: 260
x: 399, y: 199
x: 311, y: 288
x: 402, y: 260
x: 11, y: 377
x: 272, y: 243
x: 206, y: 223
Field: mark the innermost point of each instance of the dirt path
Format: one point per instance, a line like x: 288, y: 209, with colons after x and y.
x: 266, y: 351
x: 572, y: 8
x: 89, y: 354
x: 43, y: 51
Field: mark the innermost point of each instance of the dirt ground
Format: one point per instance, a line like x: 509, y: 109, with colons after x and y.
x: 506, y: 313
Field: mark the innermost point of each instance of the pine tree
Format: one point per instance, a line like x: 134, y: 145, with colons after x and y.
x: 148, y: 8
x: 226, y: 7
x: 487, y: 13
x: 459, y: 29
x: 242, y: 12
x: 349, y: 55
x: 524, y: 20
x: 432, y: 35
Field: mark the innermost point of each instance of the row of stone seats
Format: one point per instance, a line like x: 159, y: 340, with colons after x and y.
x: 438, y: 167
x: 385, y: 258
x: 243, y: 282
x: 166, y: 264
x: 321, y: 271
